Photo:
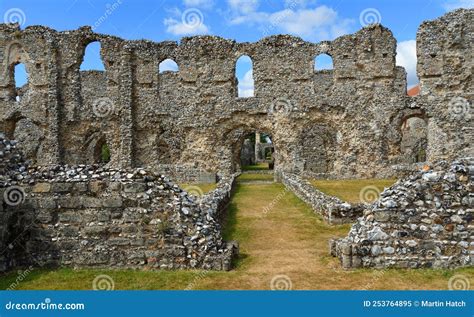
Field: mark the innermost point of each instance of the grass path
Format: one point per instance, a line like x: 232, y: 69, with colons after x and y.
x: 350, y: 190
x: 278, y: 235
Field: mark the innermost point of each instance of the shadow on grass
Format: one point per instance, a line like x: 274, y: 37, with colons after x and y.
x: 257, y: 167
x: 12, y: 280
x: 230, y: 225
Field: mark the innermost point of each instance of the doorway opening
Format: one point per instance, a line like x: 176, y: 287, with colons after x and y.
x: 257, y: 152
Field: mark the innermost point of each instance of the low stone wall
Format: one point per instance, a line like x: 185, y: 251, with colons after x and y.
x: 87, y: 216
x: 332, y: 209
x: 186, y: 173
x: 217, y: 201
x: 424, y: 220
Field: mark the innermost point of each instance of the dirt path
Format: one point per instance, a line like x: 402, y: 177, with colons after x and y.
x: 281, y: 239
x: 279, y: 236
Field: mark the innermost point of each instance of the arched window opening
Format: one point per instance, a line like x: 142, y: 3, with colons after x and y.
x: 244, y: 75
x: 105, y: 154
x: 323, y: 62
x: 20, y: 78
x: 257, y: 152
x: 168, y: 65
x: 414, y: 139
x: 102, y: 152
x: 92, y: 59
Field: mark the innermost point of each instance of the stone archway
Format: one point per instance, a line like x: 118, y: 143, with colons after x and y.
x: 411, y: 128
x: 232, y: 140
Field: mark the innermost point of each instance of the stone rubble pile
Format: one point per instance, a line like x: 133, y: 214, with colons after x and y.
x: 423, y: 220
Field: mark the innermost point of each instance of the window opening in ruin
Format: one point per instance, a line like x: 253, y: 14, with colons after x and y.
x: 105, y: 154
x: 168, y: 65
x: 414, y: 139
x: 92, y: 60
x: 323, y: 62
x: 244, y: 75
x: 102, y: 152
x: 257, y: 152
x: 20, y: 78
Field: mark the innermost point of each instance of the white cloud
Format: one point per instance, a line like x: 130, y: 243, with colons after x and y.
x: 298, y: 3
x: 450, y: 5
x: 406, y: 57
x: 320, y: 23
x: 168, y: 65
x: 246, y: 85
x: 243, y: 6
x: 188, y: 22
x: 205, y: 4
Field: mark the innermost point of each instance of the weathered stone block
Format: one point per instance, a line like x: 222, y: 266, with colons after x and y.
x: 80, y: 187
x: 91, y: 202
x: 95, y: 230
x: 61, y: 187
x: 112, y: 202
x: 134, y: 187
x: 96, y: 186
x: 119, y: 241
x: 69, y: 202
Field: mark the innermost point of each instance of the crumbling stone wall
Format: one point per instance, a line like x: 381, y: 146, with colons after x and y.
x: 193, y: 118
x: 424, y: 220
x: 82, y: 217
x: 332, y: 209
x: 91, y: 216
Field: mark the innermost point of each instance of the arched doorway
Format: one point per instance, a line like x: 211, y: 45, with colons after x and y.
x: 256, y: 152
x: 414, y: 139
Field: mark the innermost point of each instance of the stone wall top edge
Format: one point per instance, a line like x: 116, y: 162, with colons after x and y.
x: 280, y: 39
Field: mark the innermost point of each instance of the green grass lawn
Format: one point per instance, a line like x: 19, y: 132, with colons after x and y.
x: 350, y: 190
x: 256, y: 167
x: 278, y: 234
x: 195, y: 189
x: 255, y: 177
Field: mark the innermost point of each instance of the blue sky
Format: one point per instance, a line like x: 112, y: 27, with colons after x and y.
x: 242, y: 20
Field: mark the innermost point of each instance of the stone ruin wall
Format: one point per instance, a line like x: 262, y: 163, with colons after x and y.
x: 91, y: 216
x: 193, y: 118
x: 424, y: 220
x: 191, y: 125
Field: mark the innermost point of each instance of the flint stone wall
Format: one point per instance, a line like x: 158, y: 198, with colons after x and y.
x: 193, y: 117
x: 332, y: 209
x: 424, y: 220
x: 88, y: 217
